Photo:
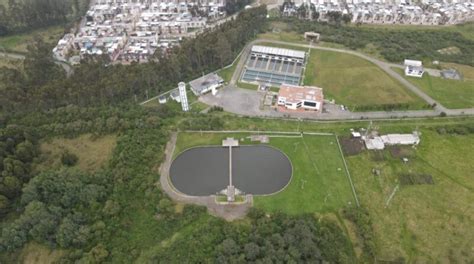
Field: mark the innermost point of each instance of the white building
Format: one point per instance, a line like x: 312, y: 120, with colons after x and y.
x: 300, y: 98
x: 379, y: 142
x: 414, y: 68
x: 206, y: 84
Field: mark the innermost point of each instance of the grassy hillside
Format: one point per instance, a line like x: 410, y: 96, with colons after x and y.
x: 356, y: 82
x: 450, y: 93
x: 422, y: 222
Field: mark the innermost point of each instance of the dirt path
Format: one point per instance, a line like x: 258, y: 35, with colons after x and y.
x: 227, y: 211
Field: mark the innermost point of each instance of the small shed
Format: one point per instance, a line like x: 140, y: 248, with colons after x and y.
x: 312, y: 36
x: 162, y: 99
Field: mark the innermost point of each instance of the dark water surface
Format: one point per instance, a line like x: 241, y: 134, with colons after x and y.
x: 255, y: 170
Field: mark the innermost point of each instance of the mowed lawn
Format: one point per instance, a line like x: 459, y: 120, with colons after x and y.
x: 319, y: 182
x: 355, y: 82
x: 450, y: 93
x: 423, y: 223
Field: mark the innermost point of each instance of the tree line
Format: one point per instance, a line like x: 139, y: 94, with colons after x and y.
x: 43, y: 85
x: 394, y: 45
x: 24, y: 15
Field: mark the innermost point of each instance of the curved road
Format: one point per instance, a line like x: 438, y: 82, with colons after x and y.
x: 384, y: 66
x: 16, y: 56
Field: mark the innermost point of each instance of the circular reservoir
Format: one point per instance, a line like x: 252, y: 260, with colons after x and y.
x: 204, y: 171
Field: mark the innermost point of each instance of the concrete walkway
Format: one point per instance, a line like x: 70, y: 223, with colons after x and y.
x: 229, y: 212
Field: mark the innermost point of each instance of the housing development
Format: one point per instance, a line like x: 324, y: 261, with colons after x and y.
x: 132, y: 31
x: 439, y: 12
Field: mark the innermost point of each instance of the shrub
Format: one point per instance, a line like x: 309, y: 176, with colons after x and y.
x: 69, y: 159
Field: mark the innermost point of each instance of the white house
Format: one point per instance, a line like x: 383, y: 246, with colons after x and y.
x: 414, y: 68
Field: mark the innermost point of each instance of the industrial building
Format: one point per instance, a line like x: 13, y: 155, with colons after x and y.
x: 413, y: 68
x: 300, y: 98
x: 206, y: 84
x: 379, y: 142
x: 274, y: 66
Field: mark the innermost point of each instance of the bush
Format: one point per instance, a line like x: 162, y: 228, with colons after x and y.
x: 69, y: 159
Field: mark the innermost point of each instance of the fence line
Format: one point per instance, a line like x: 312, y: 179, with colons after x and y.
x: 348, y: 173
x: 259, y: 132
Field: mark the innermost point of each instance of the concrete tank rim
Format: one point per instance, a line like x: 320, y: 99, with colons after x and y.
x: 218, y: 146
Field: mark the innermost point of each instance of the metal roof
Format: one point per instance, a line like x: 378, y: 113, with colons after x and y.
x: 203, y: 83
x: 279, y: 51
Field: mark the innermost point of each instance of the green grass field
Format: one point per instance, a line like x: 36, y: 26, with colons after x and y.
x: 246, y: 85
x: 226, y: 73
x: 467, y: 29
x: 355, y: 82
x: 319, y: 182
x: 423, y: 223
x: 466, y: 70
x: 450, y: 93
x: 19, y: 43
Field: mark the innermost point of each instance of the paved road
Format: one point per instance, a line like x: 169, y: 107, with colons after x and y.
x: 384, y: 66
x: 12, y: 56
x: 247, y: 102
x: 16, y: 56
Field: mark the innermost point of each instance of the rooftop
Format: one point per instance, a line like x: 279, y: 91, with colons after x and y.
x: 279, y: 51
x: 294, y: 93
x: 200, y: 85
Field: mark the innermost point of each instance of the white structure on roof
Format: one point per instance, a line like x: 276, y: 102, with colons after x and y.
x: 183, y: 96
x: 413, y: 68
x: 279, y: 52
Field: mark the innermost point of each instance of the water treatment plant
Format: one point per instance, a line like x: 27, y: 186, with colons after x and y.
x: 256, y: 170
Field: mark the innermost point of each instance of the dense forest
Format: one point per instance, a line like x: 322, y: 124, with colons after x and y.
x: 43, y: 85
x: 24, y: 15
x: 394, y: 45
